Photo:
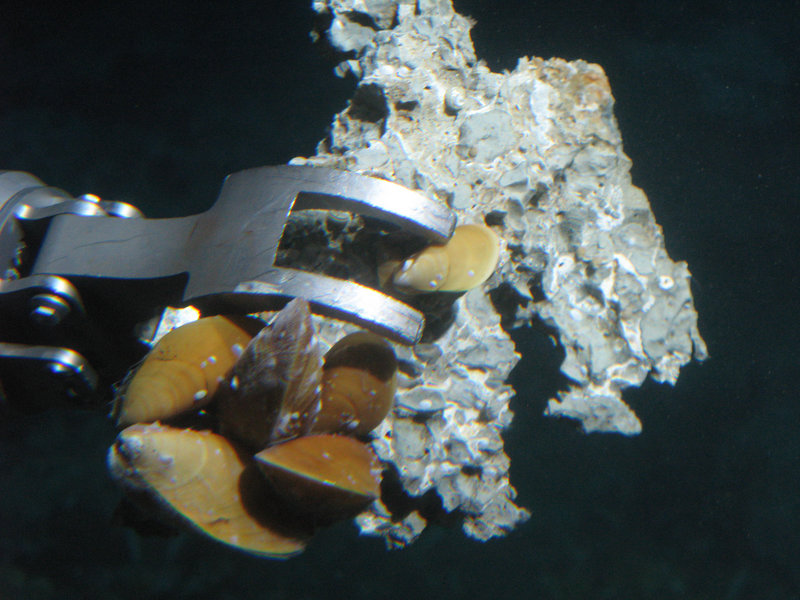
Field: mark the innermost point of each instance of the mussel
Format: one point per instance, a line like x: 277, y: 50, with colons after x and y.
x: 359, y: 381
x: 273, y: 390
x: 326, y: 476
x: 182, y: 372
x: 464, y: 262
x: 200, y: 479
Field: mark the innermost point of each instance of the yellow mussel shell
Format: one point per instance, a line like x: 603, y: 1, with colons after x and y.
x: 359, y: 381
x: 467, y: 260
x: 273, y: 390
x: 199, y: 479
x: 323, y: 475
x: 182, y: 371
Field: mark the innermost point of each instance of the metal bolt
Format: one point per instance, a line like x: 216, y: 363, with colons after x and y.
x: 48, y: 310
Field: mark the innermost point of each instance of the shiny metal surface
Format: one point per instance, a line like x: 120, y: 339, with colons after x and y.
x: 236, y: 241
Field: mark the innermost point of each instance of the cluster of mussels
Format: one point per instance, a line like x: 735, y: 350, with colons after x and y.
x: 282, y: 454
x: 279, y: 451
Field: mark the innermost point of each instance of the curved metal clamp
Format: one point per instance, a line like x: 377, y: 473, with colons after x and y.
x: 228, y: 252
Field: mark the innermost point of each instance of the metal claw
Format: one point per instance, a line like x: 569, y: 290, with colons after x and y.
x: 225, y: 256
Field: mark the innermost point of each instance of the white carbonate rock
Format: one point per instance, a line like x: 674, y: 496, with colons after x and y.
x: 537, y: 152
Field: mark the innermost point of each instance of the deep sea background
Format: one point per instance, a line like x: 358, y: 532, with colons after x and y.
x: 154, y: 103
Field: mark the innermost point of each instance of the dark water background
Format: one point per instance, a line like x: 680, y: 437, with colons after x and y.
x: 154, y: 104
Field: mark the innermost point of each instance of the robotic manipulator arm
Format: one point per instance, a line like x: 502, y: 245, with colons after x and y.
x: 79, y: 277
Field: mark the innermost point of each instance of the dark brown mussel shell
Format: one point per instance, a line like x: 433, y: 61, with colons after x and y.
x: 273, y: 391
x: 324, y: 476
x: 359, y: 381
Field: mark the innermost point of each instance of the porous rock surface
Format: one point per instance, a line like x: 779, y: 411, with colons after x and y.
x: 537, y: 154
